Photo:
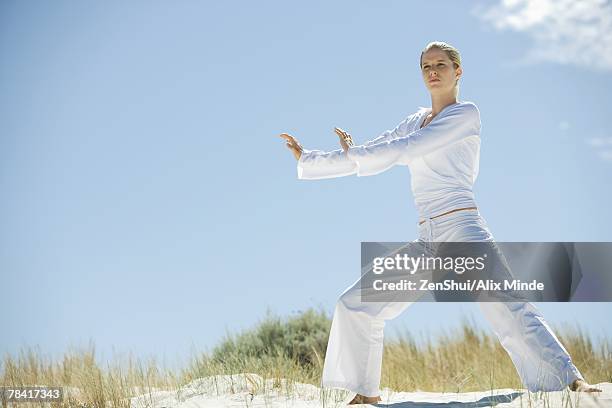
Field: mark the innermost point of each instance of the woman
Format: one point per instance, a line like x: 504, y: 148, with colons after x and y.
x: 441, y: 146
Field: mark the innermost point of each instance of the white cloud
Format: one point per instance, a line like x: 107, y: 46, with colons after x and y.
x: 600, y: 141
x: 602, y: 146
x: 563, y: 31
x: 606, y: 155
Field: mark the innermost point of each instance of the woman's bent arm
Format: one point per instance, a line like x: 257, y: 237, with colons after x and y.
x: 460, y: 121
x: 317, y: 164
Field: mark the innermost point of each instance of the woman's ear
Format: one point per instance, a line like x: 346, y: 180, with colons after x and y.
x: 458, y: 72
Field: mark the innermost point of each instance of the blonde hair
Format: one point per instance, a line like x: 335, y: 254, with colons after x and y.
x: 452, y: 52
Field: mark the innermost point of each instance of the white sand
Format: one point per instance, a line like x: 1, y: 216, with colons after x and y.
x: 250, y: 390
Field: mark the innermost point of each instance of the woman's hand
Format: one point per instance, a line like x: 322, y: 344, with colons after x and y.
x: 346, y: 140
x: 293, y: 145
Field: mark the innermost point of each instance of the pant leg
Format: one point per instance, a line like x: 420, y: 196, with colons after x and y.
x: 540, y: 359
x: 353, y: 360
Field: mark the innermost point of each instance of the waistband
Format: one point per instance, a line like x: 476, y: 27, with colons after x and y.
x: 447, y: 213
x: 428, y: 227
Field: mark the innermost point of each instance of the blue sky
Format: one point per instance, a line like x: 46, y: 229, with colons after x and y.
x: 149, y: 205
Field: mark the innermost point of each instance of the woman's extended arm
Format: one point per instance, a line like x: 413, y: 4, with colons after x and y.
x: 317, y: 164
x: 458, y: 122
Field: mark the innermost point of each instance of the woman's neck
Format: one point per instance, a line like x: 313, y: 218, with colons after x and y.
x: 439, y: 102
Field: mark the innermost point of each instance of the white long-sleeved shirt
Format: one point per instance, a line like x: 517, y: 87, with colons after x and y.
x: 443, y: 157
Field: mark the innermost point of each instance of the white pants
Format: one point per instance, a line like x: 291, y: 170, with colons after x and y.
x: 354, y: 353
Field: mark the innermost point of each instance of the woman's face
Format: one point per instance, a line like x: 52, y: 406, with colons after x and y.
x: 439, y: 73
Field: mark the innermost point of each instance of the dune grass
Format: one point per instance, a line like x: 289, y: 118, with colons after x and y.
x: 461, y: 360
x: 85, y: 381
x: 469, y: 359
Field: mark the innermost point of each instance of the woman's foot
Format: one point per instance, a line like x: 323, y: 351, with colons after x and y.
x: 360, y: 399
x: 582, y: 386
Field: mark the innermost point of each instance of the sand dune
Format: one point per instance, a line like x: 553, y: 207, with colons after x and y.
x: 250, y: 390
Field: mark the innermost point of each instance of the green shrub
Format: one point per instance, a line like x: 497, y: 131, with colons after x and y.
x: 302, y: 337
